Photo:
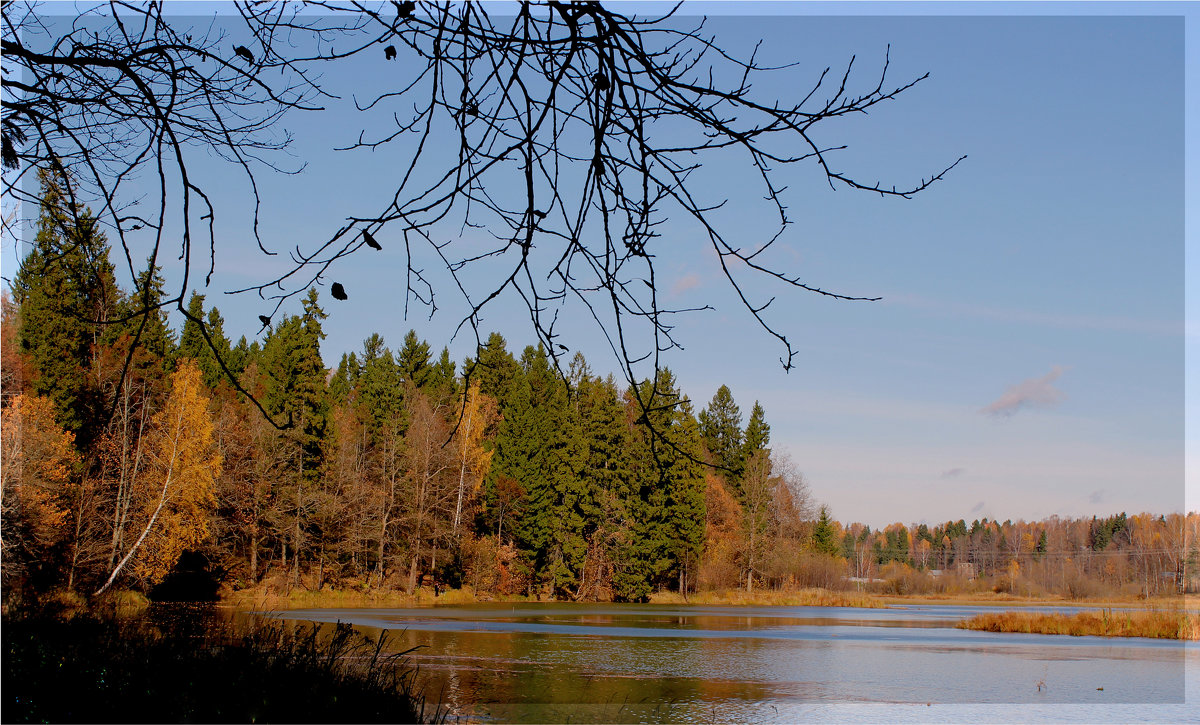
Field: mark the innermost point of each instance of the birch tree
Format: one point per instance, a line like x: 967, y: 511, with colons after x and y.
x: 176, y: 492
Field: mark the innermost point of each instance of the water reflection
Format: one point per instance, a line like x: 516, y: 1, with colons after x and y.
x: 612, y: 663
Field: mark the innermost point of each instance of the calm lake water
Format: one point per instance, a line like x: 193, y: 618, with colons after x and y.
x: 661, y: 663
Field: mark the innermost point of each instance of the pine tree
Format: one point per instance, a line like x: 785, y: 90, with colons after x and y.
x: 240, y: 356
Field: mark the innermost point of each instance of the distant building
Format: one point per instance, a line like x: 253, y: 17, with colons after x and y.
x: 965, y: 569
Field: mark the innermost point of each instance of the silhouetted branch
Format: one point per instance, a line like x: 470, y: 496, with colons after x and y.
x: 566, y: 134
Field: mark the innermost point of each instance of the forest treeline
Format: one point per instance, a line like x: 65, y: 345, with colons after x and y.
x: 128, y: 458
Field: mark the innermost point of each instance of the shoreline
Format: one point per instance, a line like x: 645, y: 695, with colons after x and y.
x: 339, y: 598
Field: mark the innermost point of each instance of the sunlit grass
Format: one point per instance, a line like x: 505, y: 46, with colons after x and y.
x: 263, y: 599
x: 1174, y: 623
x: 768, y: 598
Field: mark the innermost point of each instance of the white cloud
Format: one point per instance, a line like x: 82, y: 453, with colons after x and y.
x: 1034, y: 392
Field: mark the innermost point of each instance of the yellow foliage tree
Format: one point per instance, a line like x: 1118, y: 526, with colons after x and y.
x: 476, y: 414
x: 39, y: 465
x: 175, y: 494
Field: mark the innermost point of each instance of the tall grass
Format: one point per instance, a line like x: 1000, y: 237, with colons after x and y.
x: 1173, y: 623
x: 196, y: 667
x: 798, y: 598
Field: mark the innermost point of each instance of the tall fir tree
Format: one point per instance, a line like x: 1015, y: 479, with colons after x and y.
x: 193, y: 345
x: 296, y: 393
x: 65, y: 293
x: 666, y: 505
x: 758, y: 433
x: 721, y: 432
x: 494, y: 367
x: 413, y: 361
x: 824, y: 535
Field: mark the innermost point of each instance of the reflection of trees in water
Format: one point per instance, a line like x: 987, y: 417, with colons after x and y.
x: 553, y: 678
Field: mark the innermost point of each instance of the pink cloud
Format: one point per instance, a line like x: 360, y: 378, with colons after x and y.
x: 685, y: 283
x: 1034, y: 392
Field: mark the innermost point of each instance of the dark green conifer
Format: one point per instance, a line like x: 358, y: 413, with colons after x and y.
x: 758, y: 433
x: 413, y: 360
x: 193, y: 345
x: 721, y: 431
x: 824, y: 536
x: 65, y: 293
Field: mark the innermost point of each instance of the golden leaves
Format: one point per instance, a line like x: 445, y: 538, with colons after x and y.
x: 176, y: 493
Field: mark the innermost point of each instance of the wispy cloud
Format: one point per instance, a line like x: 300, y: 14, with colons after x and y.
x: 1105, y: 323
x: 953, y: 472
x: 1098, y: 496
x: 1034, y: 392
x: 685, y: 283
x: 978, y: 507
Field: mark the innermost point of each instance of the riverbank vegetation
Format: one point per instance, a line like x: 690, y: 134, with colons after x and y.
x: 1176, y: 623
x: 131, y: 461
x: 187, y: 664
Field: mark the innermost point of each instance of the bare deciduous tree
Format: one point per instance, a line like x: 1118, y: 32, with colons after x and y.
x: 568, y: 133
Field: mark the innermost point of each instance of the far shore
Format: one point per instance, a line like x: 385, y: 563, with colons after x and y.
x: 329, y: 598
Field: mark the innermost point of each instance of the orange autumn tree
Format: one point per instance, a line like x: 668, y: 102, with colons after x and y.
x: 40, y: 462
x: 175, y: 494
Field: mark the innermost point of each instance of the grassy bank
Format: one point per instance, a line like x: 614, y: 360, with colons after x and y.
x: 1190, y: 601
x: 1158, y: 624
x: 189, y: 665
x: 265, y: 599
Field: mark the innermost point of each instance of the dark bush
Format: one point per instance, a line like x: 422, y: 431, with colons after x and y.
x: 191, y: 665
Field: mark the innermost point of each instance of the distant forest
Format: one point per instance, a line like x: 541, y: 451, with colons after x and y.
x: 129, y: 460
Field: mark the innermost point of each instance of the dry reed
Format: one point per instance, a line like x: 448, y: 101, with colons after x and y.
x: 1172, y: 623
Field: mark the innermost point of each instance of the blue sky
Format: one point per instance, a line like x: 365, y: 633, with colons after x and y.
x: 1027, y: 358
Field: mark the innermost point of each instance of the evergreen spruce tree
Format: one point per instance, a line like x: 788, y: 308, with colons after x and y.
x: 666, y: 505
x: 342, y: 384
x: 240, y: 356
x: 65, y: 293
x: 550, y: 528
x: 379, y: 386
x: 442, y: 382
x: 824, y: 536
x: 721, y: 431
x: 495, y: 368
x: 758, y: 433
x: 607, y: 464
x: 522, y: 447
x: 847, y: 548
x: 413, y: 360
x: 296, y: 393
x: 193, y: 345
